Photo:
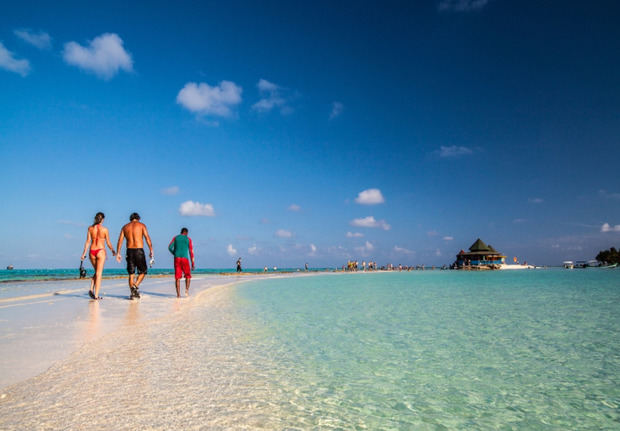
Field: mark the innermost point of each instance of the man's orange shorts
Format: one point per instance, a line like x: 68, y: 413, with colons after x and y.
x: 181, y: 266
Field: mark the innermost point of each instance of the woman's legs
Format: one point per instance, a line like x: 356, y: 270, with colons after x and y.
x: 93, y: 261
x: 100, y: 260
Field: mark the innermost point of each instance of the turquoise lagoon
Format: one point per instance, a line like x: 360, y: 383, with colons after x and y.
x: 536, y: 349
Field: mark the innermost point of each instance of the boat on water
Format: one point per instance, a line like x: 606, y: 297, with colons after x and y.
x: 593, y: 263
x: 568, y: 264
x: 613, y: 265
x: 10, y: 267
x: 581, y: 264
x: 516, y: 266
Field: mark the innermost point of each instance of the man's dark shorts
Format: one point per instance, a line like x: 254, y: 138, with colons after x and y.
x: 136, y: 260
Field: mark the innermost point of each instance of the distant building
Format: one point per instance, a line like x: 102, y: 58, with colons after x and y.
x: 480, y: 256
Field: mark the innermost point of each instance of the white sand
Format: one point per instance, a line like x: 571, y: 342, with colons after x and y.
x: 120, y: 364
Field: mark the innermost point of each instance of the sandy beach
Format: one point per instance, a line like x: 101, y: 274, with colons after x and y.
x: 72, y: 363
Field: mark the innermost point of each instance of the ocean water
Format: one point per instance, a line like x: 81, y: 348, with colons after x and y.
x: 432, y: 350
x: 442, y: 350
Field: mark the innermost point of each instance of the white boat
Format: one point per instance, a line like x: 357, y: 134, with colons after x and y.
x: 568, y: 264
x: 516, y: 266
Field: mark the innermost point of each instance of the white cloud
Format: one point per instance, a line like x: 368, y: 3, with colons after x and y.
x: 535, y: 200
x: 40, y: 40
x: 437, y: 252
x: 207, y: 100
x: 607, y: 228
x: 402, y: 250
x: 370, y: 197
x: 191, y: 208
x: 337, y: 108
x: 231, y: 250
x: 604, y: 194
x: 294, y: 207
x: 252, y: 250
x: 365, y: 249
x: 461, y: 5
x: 312, y: 250
x: 10, y: 63
x: 281, y: 233
x: 448, y: 238
x: 104, y: 56
x: 354, y: 235
x: 432, y: 233
x: 272, y: 96
x: 173, y: 190
x: 370, y: 222
x: 454, y: 151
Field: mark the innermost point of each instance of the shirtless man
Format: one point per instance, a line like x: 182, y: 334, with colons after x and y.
x: 134, y: 232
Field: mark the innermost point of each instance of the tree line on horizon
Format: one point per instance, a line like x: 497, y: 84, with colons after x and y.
x: 610, y: 256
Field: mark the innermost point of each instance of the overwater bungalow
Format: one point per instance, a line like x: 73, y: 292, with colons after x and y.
x: 479, y: 257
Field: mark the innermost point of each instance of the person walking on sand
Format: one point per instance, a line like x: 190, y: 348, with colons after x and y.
x: 239, y: 265
x: 182, y: 248
x: 134, y: 232
x: 97, y: 236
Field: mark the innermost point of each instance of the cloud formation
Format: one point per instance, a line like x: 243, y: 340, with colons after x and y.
x: 365, y: 249
x: 204, y: 99
x: 104, y: 56
x: 607, y: 228
x: 370, y: 197
x: 272, y: 96
x: 312, y: 250
x: 535, y: 200
x: 39, y: 40
x: 337, y: 108
x: 448, y: 238
x: 294, y: 207
x: 461, y: 5
x: 354, y: 235
x: 231, y: 250
x: 252, y: 250
x: 370, y: 222
x: 454, y: 151
x: 191, y: 208
x: 281, y: 233
x: 606, y: 195
x: 402, y: 250
x: 173, y: 190
x: 12, y: 64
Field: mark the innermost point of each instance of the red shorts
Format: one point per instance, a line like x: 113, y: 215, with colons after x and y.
x: 181, y: 265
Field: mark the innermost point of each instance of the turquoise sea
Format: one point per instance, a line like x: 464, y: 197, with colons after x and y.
x: 420, y: 350
x: 442, y: 350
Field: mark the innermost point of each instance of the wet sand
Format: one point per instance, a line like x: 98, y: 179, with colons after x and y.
x: 155, y: 363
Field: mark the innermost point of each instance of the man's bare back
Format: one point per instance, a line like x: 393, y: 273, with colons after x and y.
x: 133, y: 232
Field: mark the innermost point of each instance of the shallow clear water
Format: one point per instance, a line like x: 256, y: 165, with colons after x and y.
x: 431, y: 350
x: 442, y: 350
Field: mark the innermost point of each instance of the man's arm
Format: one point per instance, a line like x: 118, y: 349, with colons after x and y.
x: 148, y: 241
x: 172, y: 245
x: 191, y: 252
x: 119, y: 245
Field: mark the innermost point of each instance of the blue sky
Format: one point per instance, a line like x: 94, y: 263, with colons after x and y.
x: 293, y: 132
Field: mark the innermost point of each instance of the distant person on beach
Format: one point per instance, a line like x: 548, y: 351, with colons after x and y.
x: 182, y: 248
x: 134, y: 232
x: 239, y: 265
x: 97, y: 237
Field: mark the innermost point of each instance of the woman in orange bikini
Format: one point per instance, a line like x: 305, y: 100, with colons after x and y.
x: 99, y: 237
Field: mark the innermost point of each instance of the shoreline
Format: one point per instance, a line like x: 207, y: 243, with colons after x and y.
x: 44, y: 329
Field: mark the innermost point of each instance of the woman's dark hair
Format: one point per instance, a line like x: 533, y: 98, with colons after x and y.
x: 99, y: 218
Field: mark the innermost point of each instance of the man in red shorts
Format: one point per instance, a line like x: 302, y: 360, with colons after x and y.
x: 182, y: 249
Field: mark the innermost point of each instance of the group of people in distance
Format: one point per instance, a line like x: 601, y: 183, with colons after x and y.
x: 135, y: 233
